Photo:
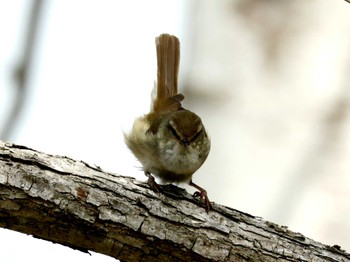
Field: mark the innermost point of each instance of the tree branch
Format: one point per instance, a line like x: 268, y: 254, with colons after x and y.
x: 72, y: 203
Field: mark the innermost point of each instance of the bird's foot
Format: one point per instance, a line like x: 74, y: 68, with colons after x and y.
x: 152, y: 183
x: 202, y: 193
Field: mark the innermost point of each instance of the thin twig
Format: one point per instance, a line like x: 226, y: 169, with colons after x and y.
x: 21, y: 72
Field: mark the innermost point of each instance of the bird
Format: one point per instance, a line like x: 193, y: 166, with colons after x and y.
x: 170, y: 142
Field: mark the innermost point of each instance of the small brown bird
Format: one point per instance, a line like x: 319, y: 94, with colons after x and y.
x: 170, y: 142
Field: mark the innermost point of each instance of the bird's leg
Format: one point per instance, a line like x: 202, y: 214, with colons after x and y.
x: 152, y: 182
x: 202, y: 193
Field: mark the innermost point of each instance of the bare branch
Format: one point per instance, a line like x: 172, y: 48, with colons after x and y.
x: 71, y: 203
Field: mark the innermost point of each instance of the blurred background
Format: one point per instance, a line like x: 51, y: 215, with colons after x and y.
x: 269, y: 78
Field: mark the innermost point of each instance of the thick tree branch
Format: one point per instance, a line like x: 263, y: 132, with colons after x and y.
x: 71, y: 203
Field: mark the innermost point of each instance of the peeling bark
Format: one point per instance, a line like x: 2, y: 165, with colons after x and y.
x: 72, y: 203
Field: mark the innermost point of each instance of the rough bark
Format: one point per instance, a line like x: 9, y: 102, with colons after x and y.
x: 72, y: 203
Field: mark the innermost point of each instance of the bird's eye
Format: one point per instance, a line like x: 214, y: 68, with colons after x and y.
x: 173, y: 131
x: 196, y: 135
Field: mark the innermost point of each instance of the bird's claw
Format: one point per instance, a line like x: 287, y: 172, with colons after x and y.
x: 204, y: 196
x: 152, y: 183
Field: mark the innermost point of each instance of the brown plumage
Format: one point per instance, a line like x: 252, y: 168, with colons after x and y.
x: 170, y: 142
